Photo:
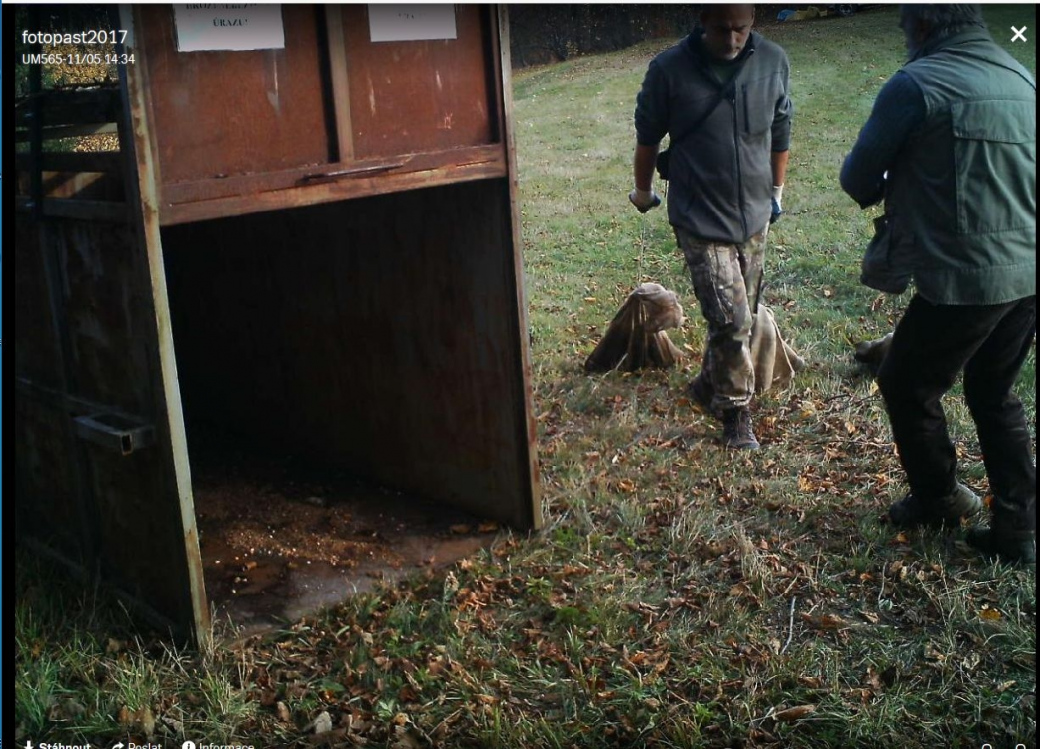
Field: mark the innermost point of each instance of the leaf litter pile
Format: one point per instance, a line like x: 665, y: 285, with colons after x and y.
x: 680, y: 595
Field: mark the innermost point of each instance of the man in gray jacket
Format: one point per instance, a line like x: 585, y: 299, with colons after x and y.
x: 721, y: 95
x: 951, y: 146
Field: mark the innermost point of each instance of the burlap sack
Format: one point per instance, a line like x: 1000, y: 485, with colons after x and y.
x: 774, y: 360
x: 635, y: 338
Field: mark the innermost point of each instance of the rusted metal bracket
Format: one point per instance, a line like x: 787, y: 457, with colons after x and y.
x: 114, y: 431
x: 363, y: 171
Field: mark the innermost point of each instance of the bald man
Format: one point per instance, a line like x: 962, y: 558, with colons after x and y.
x: 721, y: 95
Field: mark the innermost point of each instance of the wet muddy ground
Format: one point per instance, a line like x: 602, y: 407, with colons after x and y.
x: 280, y: 540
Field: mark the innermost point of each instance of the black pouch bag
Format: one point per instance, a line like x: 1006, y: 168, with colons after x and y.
x: 663, y: 159
x: 885, y: 266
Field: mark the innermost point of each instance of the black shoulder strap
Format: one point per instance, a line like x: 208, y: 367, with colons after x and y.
x: 722, y: 94
x: 725, y: 92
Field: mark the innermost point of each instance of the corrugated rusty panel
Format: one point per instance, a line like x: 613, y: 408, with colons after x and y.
x: 218, y: 114
x: 379, y: 335
x: 415, y: 96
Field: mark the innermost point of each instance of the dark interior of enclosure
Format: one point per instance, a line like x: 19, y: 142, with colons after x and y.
x: 351, y: 392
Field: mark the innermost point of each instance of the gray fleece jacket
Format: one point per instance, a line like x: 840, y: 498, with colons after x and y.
x: 721, y: 176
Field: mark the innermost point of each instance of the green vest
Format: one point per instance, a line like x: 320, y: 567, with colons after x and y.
x: 963, y: 192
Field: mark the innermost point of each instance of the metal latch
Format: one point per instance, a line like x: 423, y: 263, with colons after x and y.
x: 115, y: 432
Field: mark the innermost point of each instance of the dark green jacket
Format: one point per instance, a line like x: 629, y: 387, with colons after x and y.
x: 961, y: 189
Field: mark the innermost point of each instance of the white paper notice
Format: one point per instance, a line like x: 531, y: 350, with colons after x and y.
x: 228, y: 26
x: 403, y: 23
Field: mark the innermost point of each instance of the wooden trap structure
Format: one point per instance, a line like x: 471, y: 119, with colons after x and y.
x: 303, y: 256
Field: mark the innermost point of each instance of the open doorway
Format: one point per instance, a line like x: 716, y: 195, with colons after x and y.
x: 342, y: 428
x: 282, y: 537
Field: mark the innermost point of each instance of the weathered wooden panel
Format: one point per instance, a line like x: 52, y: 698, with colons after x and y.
x: 217, y: 114
x: 48, y: 504
x: 198, y: 201
x: 83, y: 186
x: 380, y: 335
x: 141, y: 546
x: 105, y: 311
x: 37, y: 354
x: 415, y: 96
x: 97, y: 186
x: 90, y: 504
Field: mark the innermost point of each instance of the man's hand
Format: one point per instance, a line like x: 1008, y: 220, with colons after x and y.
x: 778, y: 194
x: 644, y: 200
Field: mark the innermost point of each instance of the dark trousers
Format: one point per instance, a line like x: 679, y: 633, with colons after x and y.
x: 989, y: 343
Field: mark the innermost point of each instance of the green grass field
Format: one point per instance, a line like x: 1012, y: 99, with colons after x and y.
x: 680, y: 595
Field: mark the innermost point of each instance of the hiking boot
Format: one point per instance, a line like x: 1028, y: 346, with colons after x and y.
x: 701, y: 394
x: 911, y: 512
x: 736, y: 429
x: 872, y: 353
x: 1014, y: 547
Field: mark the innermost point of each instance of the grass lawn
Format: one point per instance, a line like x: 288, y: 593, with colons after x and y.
x: 680, y: 595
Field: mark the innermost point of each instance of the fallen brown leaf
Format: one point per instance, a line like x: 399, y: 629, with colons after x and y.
x: 282, y: 711
x: 794, y: 713
x: 826, y: 621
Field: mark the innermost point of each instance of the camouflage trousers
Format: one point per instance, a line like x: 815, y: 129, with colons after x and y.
x: 726, y: 280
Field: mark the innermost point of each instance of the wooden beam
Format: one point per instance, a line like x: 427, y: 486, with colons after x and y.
x: 390, y: 168
x: 76, y: 107
x: 340, y: 82
x: 503, y: 80
x: 328, y: 192
x: 87, y: 210
x: 73, y: 161
x: 70, y: 131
